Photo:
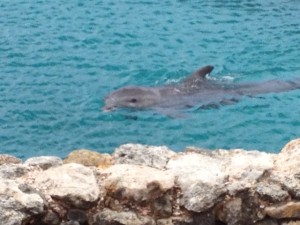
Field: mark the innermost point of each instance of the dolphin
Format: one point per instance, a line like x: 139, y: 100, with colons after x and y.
x: 192, y: 91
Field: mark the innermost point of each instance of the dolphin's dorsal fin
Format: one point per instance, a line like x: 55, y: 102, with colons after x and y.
x: 199, y: 74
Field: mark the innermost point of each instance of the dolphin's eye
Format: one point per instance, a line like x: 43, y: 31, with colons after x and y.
x: 133, y: 100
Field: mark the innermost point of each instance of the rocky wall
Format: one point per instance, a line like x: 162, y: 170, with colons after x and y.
x: 139, y: 185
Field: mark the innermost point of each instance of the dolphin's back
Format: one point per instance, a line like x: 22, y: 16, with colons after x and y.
x: 272, y: 86
x: 195, y: 90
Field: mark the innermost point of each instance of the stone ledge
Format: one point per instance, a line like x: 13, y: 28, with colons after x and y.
x: 140, y: 184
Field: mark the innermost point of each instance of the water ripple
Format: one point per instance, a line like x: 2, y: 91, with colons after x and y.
x: 59, y: 59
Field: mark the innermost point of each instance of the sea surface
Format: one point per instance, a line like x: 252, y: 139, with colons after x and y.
x: 59, y: 59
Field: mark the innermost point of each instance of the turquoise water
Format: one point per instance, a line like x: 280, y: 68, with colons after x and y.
x: 58, y: 59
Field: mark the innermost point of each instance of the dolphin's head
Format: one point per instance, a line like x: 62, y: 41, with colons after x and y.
x: 131, y: 97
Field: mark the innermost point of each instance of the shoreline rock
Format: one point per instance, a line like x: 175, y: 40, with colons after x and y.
x: 140, y: 184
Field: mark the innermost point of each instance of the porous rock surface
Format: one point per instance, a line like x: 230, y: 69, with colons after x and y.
x: 151, y: 185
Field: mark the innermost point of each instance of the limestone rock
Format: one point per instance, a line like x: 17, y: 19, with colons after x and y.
x: 271, y: 192
x: 8, y: 159
x: 44, y: 162
x: 201, y: 179
x: 294, y: 222
x: 137, y: 183
x: 245, y: 166
x: 204, y: 177
x: 242, y: 168
x: 17, y: 205
x: 72, y: 182
x: 287, y: 168
x: 109, y: 217
x: 13, y: 171
x: 71, y: 223
x: 164, y: 222
x: 181, y: 221
x: 137, y: 154
x: 281, y: 211
x: 153, y: 185
x: 268, y: 221
x: 89, y: 158
x: 290, y: 183
x: 288, y: 160
x: 231, y: 212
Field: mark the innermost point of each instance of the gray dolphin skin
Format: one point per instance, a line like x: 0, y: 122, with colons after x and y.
x: 192, y: 91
